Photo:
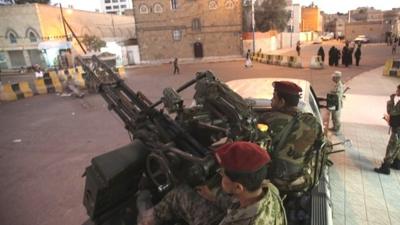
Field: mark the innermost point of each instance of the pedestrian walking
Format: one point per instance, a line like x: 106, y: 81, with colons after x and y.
x: 321, y: 53
x: 393, y: 148
x: 176, y: 67
x: 298, y: 48
x: 357, y: 55
x: 338, y: 91
x: 248, y: 62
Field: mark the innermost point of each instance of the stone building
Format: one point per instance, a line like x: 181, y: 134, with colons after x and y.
x: 294, y: 22
x: 335, y: 23
x: 187, y: 29
x: 366, y: 14
x: 34, y: 33
x: 311, y: 19
x: 374, y: 30
x: 391, y: 20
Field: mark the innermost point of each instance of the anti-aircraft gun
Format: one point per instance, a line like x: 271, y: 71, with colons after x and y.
x: 166, y: 148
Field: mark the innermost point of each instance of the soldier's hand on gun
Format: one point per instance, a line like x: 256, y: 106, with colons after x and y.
x: 205, y: 192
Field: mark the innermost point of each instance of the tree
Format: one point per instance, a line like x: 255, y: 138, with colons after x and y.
x: 32, y: 1
x: 271, y: 15
x: 93, y: 43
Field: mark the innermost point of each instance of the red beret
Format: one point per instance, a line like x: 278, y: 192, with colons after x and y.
x: 242, y: 156
x: 287, y: 87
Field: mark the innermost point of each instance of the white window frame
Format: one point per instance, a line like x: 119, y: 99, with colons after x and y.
x: 143, y: 9
x: 176, y: 35
x: 213, y: 4
x: 158, y: 8
x: 229, y: 4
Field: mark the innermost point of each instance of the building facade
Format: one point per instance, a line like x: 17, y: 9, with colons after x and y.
x: 187, y: 29
x: 374, y: 31
x: 365, y: 14
x: 391, y: 21
x: 116, y: 6
x: 294, y: 23
x: 311, y: 19
x: 34, y: 33
x: 335, y: 23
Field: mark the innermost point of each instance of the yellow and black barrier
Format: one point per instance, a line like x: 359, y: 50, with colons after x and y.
x: 392, y: 67
x: 50, y: 83
x: 10, y: 92
x: 270, y: 59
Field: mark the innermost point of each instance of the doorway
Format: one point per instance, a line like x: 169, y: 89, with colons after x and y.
x: 198, y: 50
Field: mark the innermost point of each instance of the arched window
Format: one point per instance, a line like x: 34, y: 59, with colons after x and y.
x: 157, y: 8
x: 229, y: 4
x: 12, y: 37
x: 212, y: 4
x: 32, y: 37
x: 143, y: 9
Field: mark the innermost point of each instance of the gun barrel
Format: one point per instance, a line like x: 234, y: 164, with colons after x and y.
x: 183, y: 87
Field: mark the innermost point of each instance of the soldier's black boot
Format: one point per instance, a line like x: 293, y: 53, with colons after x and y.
x: 384, y: 169
x: 395, y: 165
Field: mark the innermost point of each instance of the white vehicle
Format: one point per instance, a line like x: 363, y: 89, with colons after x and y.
x: 327, y: 36
x: 361, y: 39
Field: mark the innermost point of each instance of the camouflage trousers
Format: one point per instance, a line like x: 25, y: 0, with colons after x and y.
x: 393, y: 147
x: 336, y: 120
x: 184, y: 203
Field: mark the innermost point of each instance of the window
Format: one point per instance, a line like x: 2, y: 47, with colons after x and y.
x: 229, y: 4
x: 174, y: 4
x: 116, y: 7
x: 13, y: 38
x: 196, y: 26
x: 157, y: 8
x: 107, y: 1
x: 176, y: 35
x: 108, y: 7
x: 32, y: 37
x: 143, y: 9
x: 212, y: 4
x: 123, y: 6
x: 122, y: 0
x: 114, y: 1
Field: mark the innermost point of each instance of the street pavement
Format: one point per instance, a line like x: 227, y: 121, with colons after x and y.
x: 47, y: 141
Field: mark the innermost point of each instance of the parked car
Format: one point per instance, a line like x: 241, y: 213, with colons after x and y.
x: 327, y: 36
x: 361, y: 39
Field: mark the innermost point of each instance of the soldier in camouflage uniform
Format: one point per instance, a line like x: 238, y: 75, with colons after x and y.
x: 337, y: 90
x: 247, y: 198
x: 393, y: 147
x: 295, y: 135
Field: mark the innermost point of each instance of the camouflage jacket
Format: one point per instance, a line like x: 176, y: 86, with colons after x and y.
x: 293, y: 164
x: 338, y: 90
x: 268, y: 211
x: 393, y: 109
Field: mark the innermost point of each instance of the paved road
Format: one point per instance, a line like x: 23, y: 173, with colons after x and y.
x: 47, y: 141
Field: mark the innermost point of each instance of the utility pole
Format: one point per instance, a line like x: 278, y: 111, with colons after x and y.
x: 253, y: 21
x: 63, y: 22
